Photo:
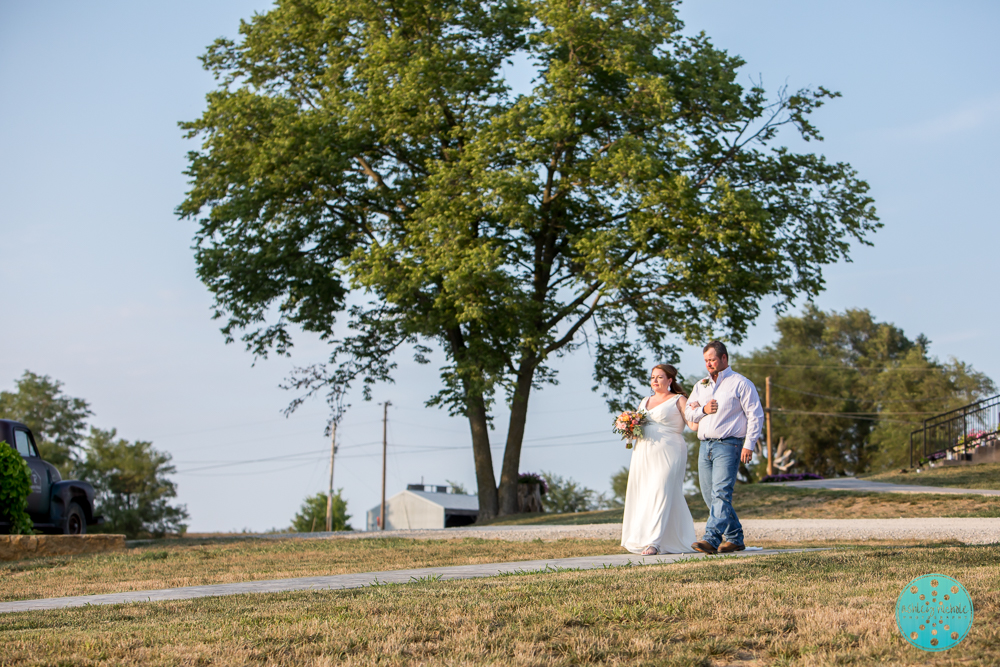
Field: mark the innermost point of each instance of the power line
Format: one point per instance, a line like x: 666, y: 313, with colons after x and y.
x: 534, y: 412
x: 448, y: 430
x: 241, y: 441
x: 217, y: 428
x: 433, y: 428
x: 426, y: 449
x: 213, y: 446
x: 843, y: 398
x: 843, y: 368
x: 872, y: 412
x: 559, y: 437
x: 419, y: 449
x: 286, y: 457
x: 844, y: 415
x: 283, y: 457
x: 237, y: 461
x: 452, y: 448
x: 259, y: 472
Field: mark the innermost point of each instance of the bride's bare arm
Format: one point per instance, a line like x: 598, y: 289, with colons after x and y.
x: 681, y: 404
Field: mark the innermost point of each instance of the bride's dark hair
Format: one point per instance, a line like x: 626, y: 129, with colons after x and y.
x: 671, y: 374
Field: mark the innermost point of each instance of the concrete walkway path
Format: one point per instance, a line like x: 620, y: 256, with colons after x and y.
x: 360, y: 580
x: 855, y: 484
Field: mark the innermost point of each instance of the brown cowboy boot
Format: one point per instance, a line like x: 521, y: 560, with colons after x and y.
x: 704, y: 547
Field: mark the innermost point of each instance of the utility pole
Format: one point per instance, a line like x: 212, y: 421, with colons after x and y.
x: 329, y: 495
x: 767, y: 421
x: 385, y: 419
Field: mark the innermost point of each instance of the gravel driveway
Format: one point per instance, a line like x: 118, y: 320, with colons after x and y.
x: 969, y: 531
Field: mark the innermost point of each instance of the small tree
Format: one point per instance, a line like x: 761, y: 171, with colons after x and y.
x: 566, y: 495
x: 619, y: 485
x: 133, y: 491
x: 456, y: 487
x: 57, y: 420
x: 312, y: 516
x: 15, y: 485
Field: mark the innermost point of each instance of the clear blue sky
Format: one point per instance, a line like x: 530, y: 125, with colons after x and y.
x: 98, y: 285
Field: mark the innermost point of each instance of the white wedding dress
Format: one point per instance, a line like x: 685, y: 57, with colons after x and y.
x: 655, y: 511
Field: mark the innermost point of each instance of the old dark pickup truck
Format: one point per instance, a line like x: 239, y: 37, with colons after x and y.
x: 54, y: 504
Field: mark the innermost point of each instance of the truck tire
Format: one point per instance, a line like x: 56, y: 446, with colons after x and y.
x: 76, y: 521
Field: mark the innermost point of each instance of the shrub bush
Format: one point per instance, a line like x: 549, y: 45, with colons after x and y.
x: 533, y: 478
x: 567, y: 495
x: 15, y: 485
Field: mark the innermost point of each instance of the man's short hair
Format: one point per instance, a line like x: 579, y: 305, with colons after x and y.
x: 720, y: 349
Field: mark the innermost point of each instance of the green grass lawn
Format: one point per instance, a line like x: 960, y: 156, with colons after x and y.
x: 195, y: 562
x: 766, y: 501
x: 190, y: 562
x: 822, y: 608
x: 979, y: 476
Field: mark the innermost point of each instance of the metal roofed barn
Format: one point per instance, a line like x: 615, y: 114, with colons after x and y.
x: 423, y: 506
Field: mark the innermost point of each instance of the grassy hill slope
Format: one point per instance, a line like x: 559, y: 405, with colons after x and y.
x: 980, y: 476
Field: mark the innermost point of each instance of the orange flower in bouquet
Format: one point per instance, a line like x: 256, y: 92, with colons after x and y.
x: 629, y: 425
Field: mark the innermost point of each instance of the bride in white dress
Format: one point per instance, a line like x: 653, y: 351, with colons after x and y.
x: 657, y: 518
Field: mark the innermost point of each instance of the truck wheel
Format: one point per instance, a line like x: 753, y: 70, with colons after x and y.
x: 76, y: 521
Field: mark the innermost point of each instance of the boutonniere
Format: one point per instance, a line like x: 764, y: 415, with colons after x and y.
x: 704, y: 383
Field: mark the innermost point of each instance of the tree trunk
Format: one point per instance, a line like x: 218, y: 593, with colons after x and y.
x: 485, y: 479
x: 515, y: 436
x: 475, y: 409
x: 529, y: 498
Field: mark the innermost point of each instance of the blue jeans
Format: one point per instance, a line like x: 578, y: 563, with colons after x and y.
x: 718, y: 463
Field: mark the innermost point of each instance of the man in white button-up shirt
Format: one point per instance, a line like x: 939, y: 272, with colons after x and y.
x: 727, y: 409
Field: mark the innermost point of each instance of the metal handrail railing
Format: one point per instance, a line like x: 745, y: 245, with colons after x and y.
x: 956, y: 433
x: 963, y: 409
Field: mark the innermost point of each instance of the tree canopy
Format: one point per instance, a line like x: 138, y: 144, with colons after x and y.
x: 57, y: 421
x: 870, y: 384
x: 133, y: 491
x: 128, y: 477
x: 366, y: 172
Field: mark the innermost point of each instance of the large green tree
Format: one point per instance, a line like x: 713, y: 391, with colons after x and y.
x: 57, y: 421
x: 848, y: 390
x: 370, y: 158
x: 133, y: 490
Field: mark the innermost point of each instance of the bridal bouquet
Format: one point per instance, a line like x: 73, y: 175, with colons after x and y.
x: 629, y: 425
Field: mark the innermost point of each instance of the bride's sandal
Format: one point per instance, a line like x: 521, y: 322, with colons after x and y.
x: 650, y: 551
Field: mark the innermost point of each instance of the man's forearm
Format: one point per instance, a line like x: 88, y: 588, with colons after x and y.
x: 694, y: 414
x: 755, y: 420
